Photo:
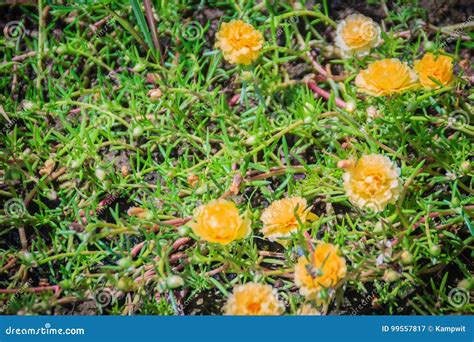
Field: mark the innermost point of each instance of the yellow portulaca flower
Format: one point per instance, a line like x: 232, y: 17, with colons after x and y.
x: 356, y: 35
x: 323, y: 271
x: 372, y: 182
x: 439, y: 68
x: 239, y: 42
x: 254, y: 299
x: 308, y: 310
x: 385, y: 77
x: 280, y: 218
x: 219, y: 221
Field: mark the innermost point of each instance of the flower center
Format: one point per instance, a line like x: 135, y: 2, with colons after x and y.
x: 253, y: 307
x: 373, y: 183
x: 240, y: 39
x: 358, y: 33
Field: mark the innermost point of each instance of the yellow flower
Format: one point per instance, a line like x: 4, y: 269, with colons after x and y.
x: 254, y: 299
x: 219, y: 221
x: 432, y: 67
x: 323, y: 271
x: 279, y: 219
x: 308, y: 310
x: 240, y: 42
x: 385, y: 77
x: 372, y: 182
x: 356, y: 35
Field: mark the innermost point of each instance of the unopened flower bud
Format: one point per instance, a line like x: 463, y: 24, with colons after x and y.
x: 435, y: 250
x: 406, y: 257
x: 174, y: 281
x: 390, y: 276
x: 137, y: 131
x: 429, y: 46
x: 466, y: 166
x: 246, y: 76
x: 155, y: 94
x: 345, y: 164
x: 184, y: 231
x: 350, y: 106
x: 125, y: 284
x: 251, y: 140
x: 100, y: 174
x: 138, y: 67
x: 373, y: 113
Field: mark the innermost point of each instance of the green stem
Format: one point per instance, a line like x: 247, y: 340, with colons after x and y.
x: 309, y: 13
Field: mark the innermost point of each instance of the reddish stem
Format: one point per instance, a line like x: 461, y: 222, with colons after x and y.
x: 177, y: 256
x: 136, y: 249
x: 54, y: 288
x: 177, y: 222
x: 180, y: 242
x: 423, y: 219
x: 308, y: 241
x: 217, y: 270
x: 233, y: 100
x: 323, y: 93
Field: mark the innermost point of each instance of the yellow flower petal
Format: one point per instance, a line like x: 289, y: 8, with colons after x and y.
x: 308, y: 310
x: 254, y: 299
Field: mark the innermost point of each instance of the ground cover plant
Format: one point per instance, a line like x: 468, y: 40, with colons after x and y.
x: 236, y: 157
